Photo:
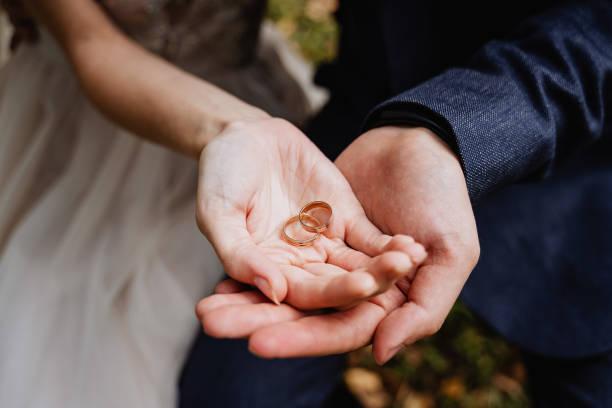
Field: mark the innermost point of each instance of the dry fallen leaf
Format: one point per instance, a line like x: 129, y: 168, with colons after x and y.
x: 416, y: 400
x: 453, y: 388
x: 367, y: 386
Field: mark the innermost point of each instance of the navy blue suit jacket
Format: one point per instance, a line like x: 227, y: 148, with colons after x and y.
x: 523, y: 94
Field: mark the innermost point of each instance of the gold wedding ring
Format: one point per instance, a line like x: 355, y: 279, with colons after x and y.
x: 300, y: 242
x: 305, y: 217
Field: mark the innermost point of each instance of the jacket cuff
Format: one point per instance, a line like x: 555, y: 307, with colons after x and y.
x: 482, y: 118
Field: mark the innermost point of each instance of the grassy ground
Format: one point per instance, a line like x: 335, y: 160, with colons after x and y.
x: 464, y: 365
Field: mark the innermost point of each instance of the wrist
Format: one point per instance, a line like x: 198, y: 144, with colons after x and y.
x: 385, y: 156
x: 415, y: 141
x: 212, y: 125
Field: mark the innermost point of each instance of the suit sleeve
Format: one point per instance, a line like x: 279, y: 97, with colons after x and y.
x: 521, y: 104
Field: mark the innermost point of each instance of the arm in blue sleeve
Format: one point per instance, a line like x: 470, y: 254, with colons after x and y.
x: 521, y: 104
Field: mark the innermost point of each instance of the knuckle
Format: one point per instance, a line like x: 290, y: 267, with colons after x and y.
x: 433, y: 327
x: 235, y: 125
x: 362, y: 288
x: 389, y: 261
x: 377, y: 242
x: 453, y: 248
x: 404, y: 239
x: 400, y: 243
x: 461, y: 250
x: 200, y: 309
x: 280, y: 122
x: 209, y: 327
x: 474, y: 254
x: 208, y: 304
x: 213, y: 324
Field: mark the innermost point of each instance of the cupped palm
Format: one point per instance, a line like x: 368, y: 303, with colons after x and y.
x: 256, y: 175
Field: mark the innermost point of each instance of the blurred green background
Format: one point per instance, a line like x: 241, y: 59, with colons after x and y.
x: 465, y: 364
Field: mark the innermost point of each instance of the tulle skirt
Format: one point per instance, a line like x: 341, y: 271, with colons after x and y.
x: 101, y: 262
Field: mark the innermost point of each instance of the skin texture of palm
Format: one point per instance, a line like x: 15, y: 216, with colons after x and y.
x: 253, y: 177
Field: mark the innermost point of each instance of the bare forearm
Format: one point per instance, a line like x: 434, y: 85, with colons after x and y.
x: 154, y: 99
x: 134, y: 87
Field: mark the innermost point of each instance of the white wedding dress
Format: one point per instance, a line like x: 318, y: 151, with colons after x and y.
x: 101, y: 262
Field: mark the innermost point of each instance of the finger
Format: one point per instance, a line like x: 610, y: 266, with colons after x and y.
x: 333, y: 333
x: 388, y: 267
x: 349, y: 259
x: 330, y: 289
x: 407, y: 245
x: 343, y: 256
x: 243, y: 260
x: 363, y: 236
x: 327, y: 291
x: 321, y: 269
x: 212, y: 302
x: 402, y: 327
x: 240, y: 320
x: 230, y: 286
x: 400, y: 259
x: 430, y: 298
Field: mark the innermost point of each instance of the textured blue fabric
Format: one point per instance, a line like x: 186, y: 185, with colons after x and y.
x: 573, y: 383
x: 524, y: 102
x: 222, y: 373
x: 529, y: 116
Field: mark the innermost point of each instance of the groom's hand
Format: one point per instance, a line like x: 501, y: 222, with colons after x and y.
x: 409, y: 182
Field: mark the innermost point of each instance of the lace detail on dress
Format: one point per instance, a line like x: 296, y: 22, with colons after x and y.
x: 202, y: 36
x: 198, y: 35
x: 214, y: 39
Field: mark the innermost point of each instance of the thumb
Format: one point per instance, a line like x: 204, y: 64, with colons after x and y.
x: 430, y: 297
x: 242, y: 259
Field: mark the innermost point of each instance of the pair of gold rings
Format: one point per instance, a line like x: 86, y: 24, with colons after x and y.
x: 309, y: 222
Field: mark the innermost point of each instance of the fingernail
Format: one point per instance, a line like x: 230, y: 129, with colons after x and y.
x: 264, y: 286
x: 391, y: 353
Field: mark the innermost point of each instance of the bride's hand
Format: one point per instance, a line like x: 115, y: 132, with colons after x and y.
x: 257, y: 174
